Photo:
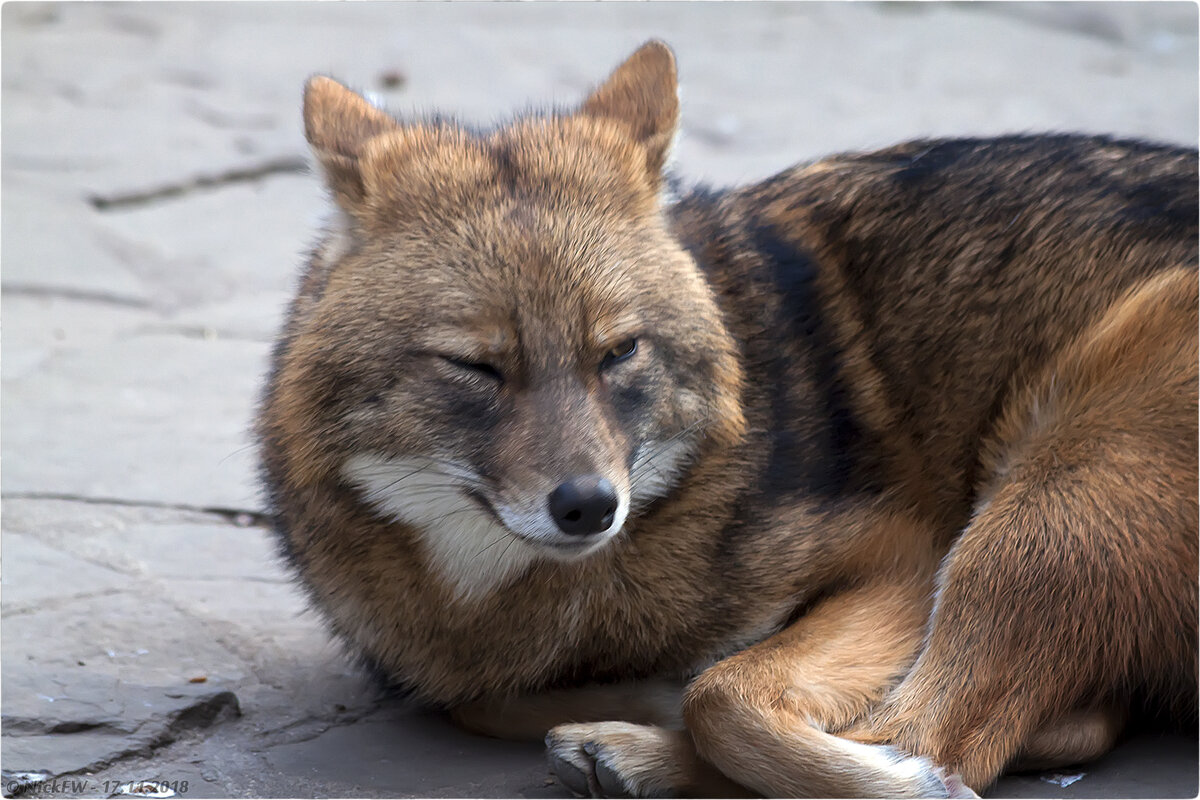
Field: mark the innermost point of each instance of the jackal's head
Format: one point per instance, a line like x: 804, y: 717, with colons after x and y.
x: 500, y: 343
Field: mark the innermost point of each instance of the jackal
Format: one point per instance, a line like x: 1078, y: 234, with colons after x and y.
x: 875, y: 478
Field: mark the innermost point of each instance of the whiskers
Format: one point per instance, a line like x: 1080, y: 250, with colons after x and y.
x: 666, y: 460
x: 457, y: 476
x: 504, y: 533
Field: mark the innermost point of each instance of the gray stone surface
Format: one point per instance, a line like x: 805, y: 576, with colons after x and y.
x: 46, y: 234
x: 151, y: 418
x: 154, y: 210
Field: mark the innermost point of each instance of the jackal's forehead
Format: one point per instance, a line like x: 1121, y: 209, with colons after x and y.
x: 423, y: 175
x: 530, y: 227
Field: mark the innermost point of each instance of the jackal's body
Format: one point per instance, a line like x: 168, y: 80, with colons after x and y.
x: 964, y: 368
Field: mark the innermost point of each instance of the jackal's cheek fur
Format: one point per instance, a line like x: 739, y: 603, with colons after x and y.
x: 657, y: 468
x: 465, y: 545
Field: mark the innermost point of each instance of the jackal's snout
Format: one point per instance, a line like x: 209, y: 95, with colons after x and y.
x: 583, y: 505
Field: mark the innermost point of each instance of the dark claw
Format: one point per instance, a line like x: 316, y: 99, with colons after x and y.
x: 612, y: 785
x: 571, y: 776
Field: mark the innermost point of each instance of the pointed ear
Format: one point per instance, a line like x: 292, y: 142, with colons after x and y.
x: 643, y: 93
x: 338, y: 123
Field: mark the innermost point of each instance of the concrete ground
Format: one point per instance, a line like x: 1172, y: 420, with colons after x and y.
x: 155, y: 208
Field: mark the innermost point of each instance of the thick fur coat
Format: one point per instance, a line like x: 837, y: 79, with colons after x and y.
x: 902, y: 445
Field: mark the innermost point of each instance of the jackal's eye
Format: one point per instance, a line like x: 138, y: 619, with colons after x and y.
x: 480, y: 368
x: 619, y: 353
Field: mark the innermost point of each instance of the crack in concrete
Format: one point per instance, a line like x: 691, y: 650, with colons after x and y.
x: 239, y: 517
x: 204, y: 332
x: 276, y: 737
x: 205, y: 713
x: 82, y: 295
x: 55, y: 603
x: 59, y: 546
x: 240, y: 579
x: 284, y: 165
x: 219, y: 118
x: 26, y: 726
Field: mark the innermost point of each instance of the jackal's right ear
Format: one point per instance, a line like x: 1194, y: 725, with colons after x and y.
x: 643, y: 93
x: 338, y: 123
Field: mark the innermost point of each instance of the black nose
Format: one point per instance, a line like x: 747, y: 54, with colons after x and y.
x: 585, y: 504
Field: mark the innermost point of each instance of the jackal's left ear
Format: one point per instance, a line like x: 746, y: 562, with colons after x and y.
x: 338, y: 123
x: 643, y: 93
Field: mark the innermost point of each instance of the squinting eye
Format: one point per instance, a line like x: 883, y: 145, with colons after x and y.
x: 480, y: 368
x: 619, y: 353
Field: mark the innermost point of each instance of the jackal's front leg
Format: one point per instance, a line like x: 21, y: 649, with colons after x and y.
x: 607, y: 740
x: 760, y: 719
x: 620, y: 759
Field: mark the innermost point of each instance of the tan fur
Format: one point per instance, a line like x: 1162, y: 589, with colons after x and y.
x: 1073, y: 579
x: 1077, y: 738
x: 906, y: 448
x: 651, y: 703
x: 619, y: 759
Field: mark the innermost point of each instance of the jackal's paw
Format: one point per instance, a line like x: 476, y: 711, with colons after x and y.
x: 915, y: 776
x: 955, y: 786
x: 615, y: 759
x: 920, y: 778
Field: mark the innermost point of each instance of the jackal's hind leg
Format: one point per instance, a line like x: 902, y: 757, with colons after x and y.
x: 762, y: 716
x: 1076, y: 577
x: 1077, y: 738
